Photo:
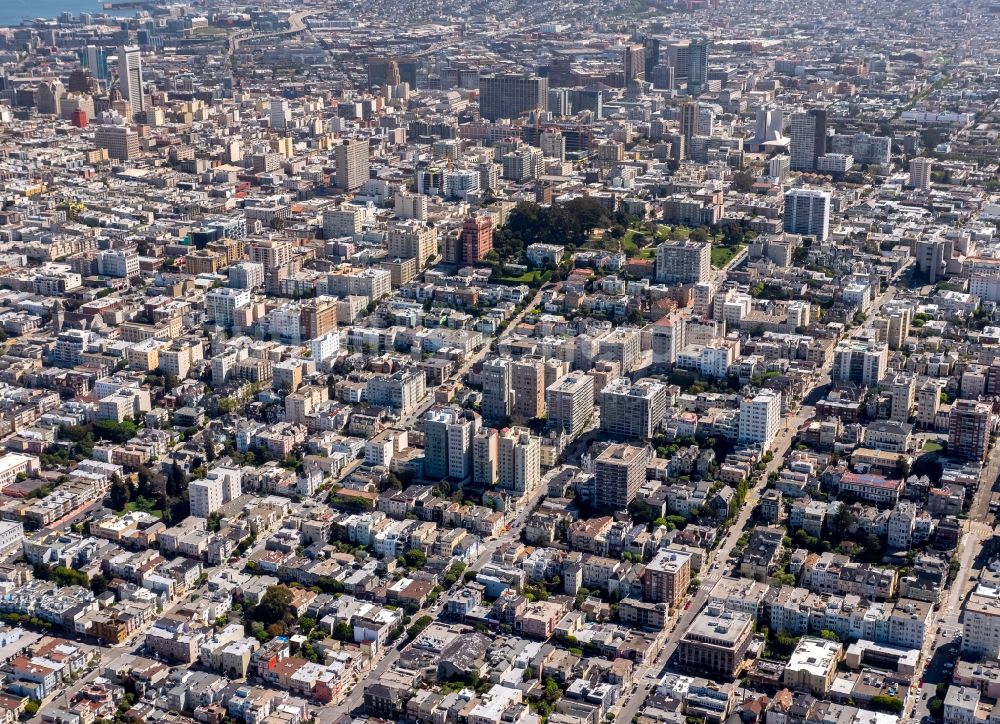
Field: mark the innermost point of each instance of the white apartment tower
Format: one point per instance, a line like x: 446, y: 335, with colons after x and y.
x: 130, y: 77
x: 760, y: 418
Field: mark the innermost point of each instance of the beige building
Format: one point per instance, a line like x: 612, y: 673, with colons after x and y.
x: 813, y: 666
x: 519, y: 460
x: 528, y: 383
x: 570, y: 402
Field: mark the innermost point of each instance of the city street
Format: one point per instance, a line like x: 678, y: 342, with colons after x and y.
x: 716, y: 562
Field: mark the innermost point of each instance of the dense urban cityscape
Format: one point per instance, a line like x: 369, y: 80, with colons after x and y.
x: 500, y: 363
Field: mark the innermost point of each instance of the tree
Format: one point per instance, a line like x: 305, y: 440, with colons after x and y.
x: 69, y: 577
x: 418, y: 626
x: 887, y: 703
x: 227, y: 405
x: 32, y: 707
x: 98, y: 584
x: 415, y: 558
x: 742, y: 181
x: 117, y: 432
x: 343, y: 632
x: 274, y: 605
x: 121, y: 494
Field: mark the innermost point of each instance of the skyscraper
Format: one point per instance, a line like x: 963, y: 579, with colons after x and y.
x: 768, y: 127
x: 508, y: 95
x: 130, y: 77
x: 635, y: 63
x: 698, y: 65
x: 280, y: 114
x: 808, y: 138
x: 383, y: 70
x: 807, y: 212
x: 352, y: 164
x: 392, y: 77
x: 920, y: 173
x: 95, y: 59
x: 651, y: 48
x: 690, y: 118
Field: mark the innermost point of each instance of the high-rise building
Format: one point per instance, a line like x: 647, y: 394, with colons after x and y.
x: 223, y: 304
x: 676, y: 55
x: 392, y: 75
x: 208, y: 495
x: 342, y: 221
x: 663, y: 78
x: 901, y: 395
x: 760, y: 418
x: 246, y: 275
x: 509, y: 95
x: 448, y: 435
x: 779, y: 167
x: 690, y: 119
x: 697, y: 77
x: 683, y: 262
x: 768, y: 127
x: 95, y: 59
x: 633, y: 411
x: 619, y: 471
x: 634, y: 57
x: 807, y: 212
x: 413, y: 239
x: 383, y: 70
x: 496, y: 378
x: 864, y: 148
x: 928, y: 403
x: 969, y: 430
x: 49, y: 97
x: 667, y: 340
x: 651, y: 54
x: 280, y: 114
x: 859, y: 361
x: 121, y: 142
x: 528, y: 383
x: 352, y: 164
x: 476, y: 240
x: 553, y: 144
x: 666, y: 577
x: 893, y: 325
x: 485, y: 457
x: 271, y: 253
x: 520, y: 460
x: 130, y: 77
x: 559, y: 102
x: 807, y: 132
x: 920, y: 173
x: 569, y: 402
x: 703, y: 298
x: 981, y: 627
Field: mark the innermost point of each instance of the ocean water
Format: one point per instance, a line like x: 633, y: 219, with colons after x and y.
x: 12, y: 11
